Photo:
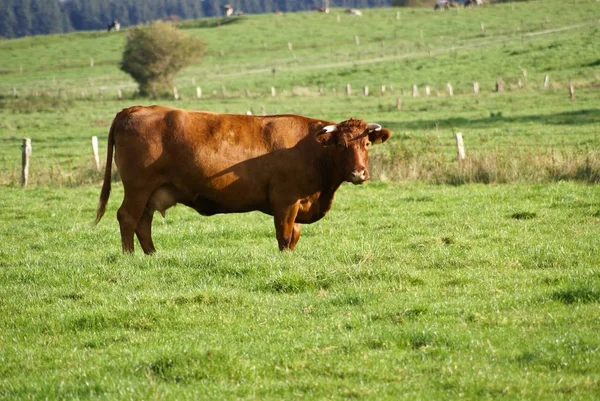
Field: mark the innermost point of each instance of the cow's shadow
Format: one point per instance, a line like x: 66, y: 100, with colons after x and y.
x: 250, y: 183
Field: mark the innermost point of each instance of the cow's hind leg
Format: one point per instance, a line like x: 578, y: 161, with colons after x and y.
x: 129, y: 215
x: 144, y: 232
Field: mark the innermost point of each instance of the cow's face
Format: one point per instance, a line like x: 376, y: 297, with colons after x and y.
x: 352, y: 140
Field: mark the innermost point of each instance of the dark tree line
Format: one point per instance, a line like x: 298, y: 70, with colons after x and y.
x: 36, y: 17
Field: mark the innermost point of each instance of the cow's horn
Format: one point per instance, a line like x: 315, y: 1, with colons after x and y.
x: 374, y: 127
x: 330, y: 128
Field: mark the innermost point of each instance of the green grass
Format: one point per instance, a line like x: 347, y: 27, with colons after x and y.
x: 405, y: 290
x: 408, y: 291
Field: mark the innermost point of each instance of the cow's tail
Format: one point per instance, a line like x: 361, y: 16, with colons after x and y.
x: 105, y: 193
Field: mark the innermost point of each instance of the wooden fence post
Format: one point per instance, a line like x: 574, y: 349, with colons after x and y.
x: 460, y: 146
x: 273, y: 91
x: 450, y: 90
x: 427, y: 90
x: 476, y: 88
x: 348, y: 90
x: 499, y: 85
x: 95, y: 150
x: 398, y: 104
x: 415, y: 91
x: 366, y: 91
x: 92, y: 62
x: 119, y: 94
x: 25, y: 155
x: 357, y: 40
x: 175, y: 93
x: 198, y: 92
x: 571, y: 90
x: 546, y: 81
x: 14, y: 91
x: 524, y: 72
x: 290, y: 47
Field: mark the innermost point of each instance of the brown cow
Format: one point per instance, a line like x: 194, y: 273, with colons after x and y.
x: 287, y: 166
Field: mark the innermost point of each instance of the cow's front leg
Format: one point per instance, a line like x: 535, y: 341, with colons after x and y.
x: 284, y: 226
x: 295, y: 235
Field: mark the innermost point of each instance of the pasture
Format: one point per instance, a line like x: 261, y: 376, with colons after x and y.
x: 412, y: 290
x: 439, y: 279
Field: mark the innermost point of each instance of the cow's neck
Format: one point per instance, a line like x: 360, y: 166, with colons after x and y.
x: 331, y: 174
x: 331, y: 178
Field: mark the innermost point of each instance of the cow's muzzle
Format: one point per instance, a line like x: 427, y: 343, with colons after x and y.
x: 359, y: 176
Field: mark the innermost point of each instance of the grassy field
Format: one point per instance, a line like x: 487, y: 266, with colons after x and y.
x: 402, y: 291
x: 407, y: 289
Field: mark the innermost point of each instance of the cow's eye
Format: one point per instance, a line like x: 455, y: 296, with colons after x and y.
x: 368, y: 144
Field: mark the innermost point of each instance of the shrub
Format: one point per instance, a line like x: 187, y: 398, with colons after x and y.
x: 154, y: 54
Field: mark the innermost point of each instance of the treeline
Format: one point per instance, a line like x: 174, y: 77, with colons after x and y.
x: 36, y: 17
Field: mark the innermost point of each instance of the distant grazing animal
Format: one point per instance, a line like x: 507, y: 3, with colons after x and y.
x: 114, y: 26
x: 473, y: 3
x: 444, y: 4
x: 354, y: 11
x: 323, y: 10
x: 228, y: 10
x: 287, y: 166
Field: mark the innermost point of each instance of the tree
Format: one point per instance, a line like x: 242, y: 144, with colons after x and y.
x: 8, y: 21
x: 155, y: 53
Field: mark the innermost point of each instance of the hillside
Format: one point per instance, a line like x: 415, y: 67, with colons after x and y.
x: 395, y: 47
x: 309, y: 59
x: 441, y: 278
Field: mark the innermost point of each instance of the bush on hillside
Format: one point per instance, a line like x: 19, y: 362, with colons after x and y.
x: 155, y: 53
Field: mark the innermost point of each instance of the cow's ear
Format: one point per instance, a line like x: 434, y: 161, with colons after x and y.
x: 325, y: 136
x: 379, y: 136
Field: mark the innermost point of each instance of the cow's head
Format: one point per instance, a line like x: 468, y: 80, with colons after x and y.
x: 352, y: 140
